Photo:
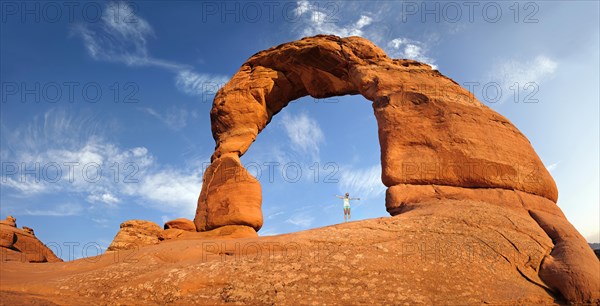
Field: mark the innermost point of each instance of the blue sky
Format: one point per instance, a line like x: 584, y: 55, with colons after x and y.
x: 116, y: 97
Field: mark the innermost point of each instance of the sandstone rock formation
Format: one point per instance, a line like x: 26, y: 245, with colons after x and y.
x: 229, y: 196
x: 134, y: 234
x: 10, y: 221
x: 182, y: 224
x: 437, y: 142
x: 431, y: 130
x: 22, y: 245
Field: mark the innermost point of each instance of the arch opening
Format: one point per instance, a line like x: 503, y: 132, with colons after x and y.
x: 303, y: 158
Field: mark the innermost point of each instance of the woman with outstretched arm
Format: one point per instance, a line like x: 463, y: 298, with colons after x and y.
x: 347, y: 200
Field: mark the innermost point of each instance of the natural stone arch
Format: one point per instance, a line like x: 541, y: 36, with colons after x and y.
x: 437, y: 142
x: 431, y: 130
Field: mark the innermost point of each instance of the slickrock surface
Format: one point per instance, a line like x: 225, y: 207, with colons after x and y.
x: 437, y: 254
x: 223, y: 232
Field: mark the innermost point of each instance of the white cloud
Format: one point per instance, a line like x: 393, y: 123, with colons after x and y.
x: 535, y: 70
x: 303, y: 219
x: 119, y: 37
x: 106, y: 198
x: 174, y: 118
x: 121, y: 19
x: 364, y: 183
x: 122, y: 37
x: 525, y: 75
x: 169, y: 190
x: 194, y: 83
x: 268, y: 232
x: 25, y: 184
x: 304, y: 133
x: 302, y: 7
x: 317, y: 20
x: 114, y: 176
x: 52, y: 129
x: 363, y: 22
x: 273, y: 215
x: 62, y: 210
x: 320, y: 19
x: 409, y: 49
x: 552, y: 167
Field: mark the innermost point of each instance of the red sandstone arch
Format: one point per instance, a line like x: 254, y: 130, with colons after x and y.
x: 431, y: 130
x: 437, y: 141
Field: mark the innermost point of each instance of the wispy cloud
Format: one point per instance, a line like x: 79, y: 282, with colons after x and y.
x: 533, y: 70
x: 273, y: 215
x: 169, y: 190
x: 194, y: 83
x: 268, y: 232
x: 526, y: 75
x: 304, y: 133
x: 409, y: 49
x: 121, y: 36
x: 301, y: 219
x: 174, y: 118
x: 552, y: 167
x: 105, y: 197
x: 362, y: 182
x: 25, y: 186
x: 316, y: 20
x: 319, y: 19
x: 62, y: 210
x: 51, y: 129
x: 114, y: 176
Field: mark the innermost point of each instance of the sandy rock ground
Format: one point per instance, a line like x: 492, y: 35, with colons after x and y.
x: 435, y: 255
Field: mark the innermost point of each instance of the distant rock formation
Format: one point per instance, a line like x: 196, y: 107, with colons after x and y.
x: 134, y: 234
x: 137, y: 233
x: 596, y: 248
x: 22, y: 245
x: 437, y: 142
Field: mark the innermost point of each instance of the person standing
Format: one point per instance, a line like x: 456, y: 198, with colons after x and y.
x: 347, y: 200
